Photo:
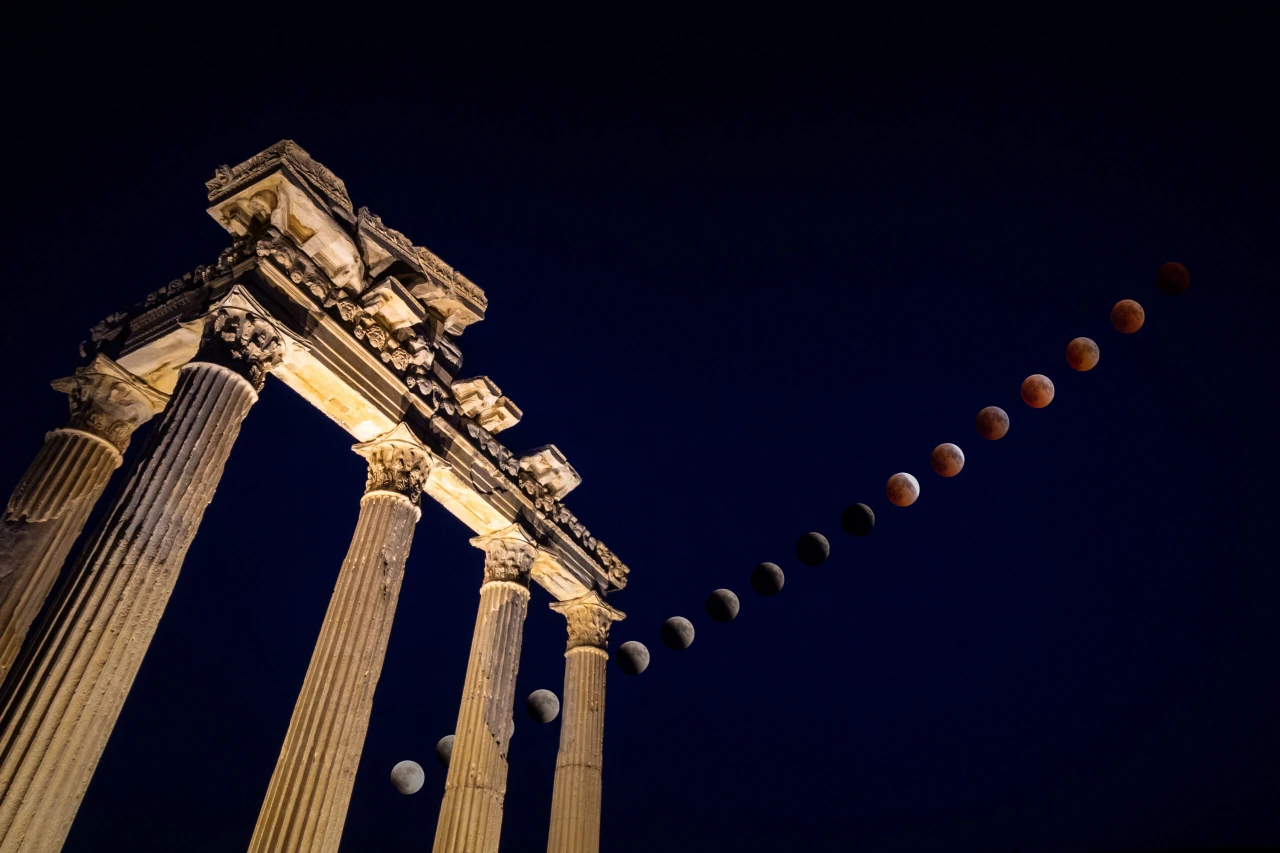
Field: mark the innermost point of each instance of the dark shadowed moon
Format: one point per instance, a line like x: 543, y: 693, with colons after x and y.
x: 1127, y: 316
x: 542, y: 706
x: 1082, y: 354
x: 767, y: 579
x: 1173, y: 279
x: 992, y: 423
x: 1037, y: 391
x: 812, y: 549
x: 444, y: 750
x: 407, y: 777
x: 677, y: 633
x: 857, y: 520
x: 947, y: 460
x: 902, y: 489
x: 633, y: 657
x: 722, y: 605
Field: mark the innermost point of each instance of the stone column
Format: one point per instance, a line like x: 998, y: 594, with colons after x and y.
x: 471, y: 812
x: 575, y: 799
x: 51, y: 503
x: 306, y: 802
x: 67, y: 687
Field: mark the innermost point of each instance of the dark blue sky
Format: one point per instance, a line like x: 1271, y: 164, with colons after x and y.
x: 739, y: 281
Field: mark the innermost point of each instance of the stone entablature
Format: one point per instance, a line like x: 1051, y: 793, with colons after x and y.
x: 376, y: 316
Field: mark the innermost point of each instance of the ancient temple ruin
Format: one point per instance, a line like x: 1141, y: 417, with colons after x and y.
x: 364, y: 324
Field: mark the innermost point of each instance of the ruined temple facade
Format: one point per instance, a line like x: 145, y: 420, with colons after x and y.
x: 364, y: 324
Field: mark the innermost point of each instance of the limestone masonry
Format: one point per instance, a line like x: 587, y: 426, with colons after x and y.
x: 364, y: 325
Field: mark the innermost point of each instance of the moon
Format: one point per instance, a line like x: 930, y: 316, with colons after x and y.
x: 812, y: 549
x: 1173, y: 279
x: 1127, y: 316
x: 633, y: 657
x: 542, y: 706
x: 677, y: 633
x: 1037, y: 391
x: 902, y: 489
x: 947, y: 460
x: 722, y: 605
x: 767, y: 579
x: 444, y: 750
x: 857, y: 520
x: 407, y: 777
x: 992, y: 423
x: 1082, y: 354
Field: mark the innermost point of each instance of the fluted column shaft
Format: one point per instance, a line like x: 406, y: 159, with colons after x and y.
x: 68, y: 686
x: 576, y: 796
x: 306, y: 803
x: 471, y: 811
x: 53, y: 500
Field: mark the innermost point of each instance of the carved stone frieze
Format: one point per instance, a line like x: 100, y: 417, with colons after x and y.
x: 588, y: 619
x: 480, y: 398
x: 108, y: 401
x: 398, y: 462
x: 285, y: 152
x: 549, y: 467
x: 508, y: 554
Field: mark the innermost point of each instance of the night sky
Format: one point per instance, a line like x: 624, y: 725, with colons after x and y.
x: 739, y: 280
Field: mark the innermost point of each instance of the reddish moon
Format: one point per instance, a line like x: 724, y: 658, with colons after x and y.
x: 1173, y: 279
x: 1037, y: 391
x: 902, y: 490
x: 1127, y: 316
x: 992, y: 423
x: 947, y: 460
x: 1082, y: 354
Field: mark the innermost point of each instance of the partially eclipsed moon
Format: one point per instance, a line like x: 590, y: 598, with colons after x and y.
x: 902, y: 489
x: 1037, y: 391
x: 1082, y: 354
x: 1127, y: 316
x: 992, y: 423
x: 947, y: 460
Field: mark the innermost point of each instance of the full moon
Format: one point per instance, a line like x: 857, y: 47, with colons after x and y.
x: 722, y: 605
x: 444, y: 750
x: 767, y: 579
x: 677, y: 633
x: 633, y: 657
x: 1037, y: 391
x: 542, y: 706
x: 902, y: 489
x: 812, y: 549
x: 857, y: 520
x: 407, y: 777
x: 1127, y: 316
x: 1173, y: 279
x: 947, y: 460
x: 992, y: 423
x: 1082, y: 354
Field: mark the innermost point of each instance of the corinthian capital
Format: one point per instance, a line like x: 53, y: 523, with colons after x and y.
x: 108, y: 401
x: 398, y: 462
x: 588, y: 618
x: 239, y: 334
x: 508, y: 554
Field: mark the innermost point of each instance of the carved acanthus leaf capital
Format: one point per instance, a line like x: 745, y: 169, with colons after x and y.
x: 109, y: 401
x: 588, y: 619
x: 398, y: 462
x: 508, y: 554
x: 239, y: 334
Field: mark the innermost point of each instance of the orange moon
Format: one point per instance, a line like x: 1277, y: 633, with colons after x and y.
x: 902, y: 490
x: 1082, y: 354
x: 1173, y: 279
x: 1037, y: 391
x: 947, y: 460
x: 992, y: 423
x: 1127, y: 316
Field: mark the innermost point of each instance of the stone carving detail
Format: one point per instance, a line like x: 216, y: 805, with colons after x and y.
x: 244, y: 341
x: 480, y: 398
x: 109, y: 402
x: 588, y: 618
x: 508, y: 554
x: 398, y: 462
x: 443, y: 276
x: 291, y: 153
x: 549, y: 467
